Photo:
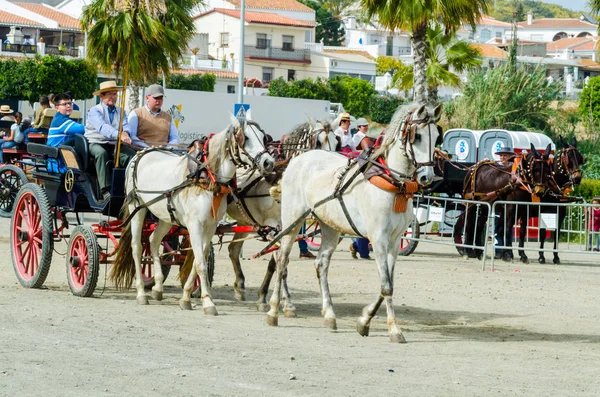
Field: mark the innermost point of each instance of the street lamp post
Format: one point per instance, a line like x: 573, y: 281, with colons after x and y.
x: 242, y: 40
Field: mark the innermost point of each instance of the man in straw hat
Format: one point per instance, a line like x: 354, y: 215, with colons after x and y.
x: 102, y: 132
x: 343, y: 134
x: 151, y: 126
x: 7, y: 113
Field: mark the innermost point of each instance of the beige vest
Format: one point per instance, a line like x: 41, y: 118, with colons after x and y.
x: 154, y: 130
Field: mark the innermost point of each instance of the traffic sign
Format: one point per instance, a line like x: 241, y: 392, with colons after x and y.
x: 240, y: 110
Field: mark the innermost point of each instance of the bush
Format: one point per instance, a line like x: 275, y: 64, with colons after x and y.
x: 589, y: 103
x: 194, y: 82
x: 588, y: 189
x: 383, y: 108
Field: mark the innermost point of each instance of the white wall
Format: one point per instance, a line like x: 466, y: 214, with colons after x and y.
x: 207, y: 113
x: 547, y: 35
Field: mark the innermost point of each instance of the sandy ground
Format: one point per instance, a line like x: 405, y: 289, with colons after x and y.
x: 523, y: 330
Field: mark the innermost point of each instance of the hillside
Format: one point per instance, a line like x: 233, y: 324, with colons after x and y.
x: 503, y: 10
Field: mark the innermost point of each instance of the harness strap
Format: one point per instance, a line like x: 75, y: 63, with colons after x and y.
x: 283, y: 233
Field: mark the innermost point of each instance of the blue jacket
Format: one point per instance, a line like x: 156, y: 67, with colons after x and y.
x: 62, y: 125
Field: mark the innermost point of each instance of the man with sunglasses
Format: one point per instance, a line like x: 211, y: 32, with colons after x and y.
x: 62, y: 127
x: 151, y: 126
x: 102, y: 132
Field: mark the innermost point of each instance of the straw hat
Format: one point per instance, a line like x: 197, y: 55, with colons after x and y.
x: 108, y: 86
x: 345, y: 117
x: 5, y: 109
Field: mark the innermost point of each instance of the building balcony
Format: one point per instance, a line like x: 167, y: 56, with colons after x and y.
x: 59, y: 50
x: 277, y: 54
x: 23, y: 48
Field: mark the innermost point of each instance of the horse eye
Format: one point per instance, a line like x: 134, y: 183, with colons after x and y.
x: 417, y: 137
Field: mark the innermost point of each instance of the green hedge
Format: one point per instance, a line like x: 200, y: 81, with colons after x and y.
x: 194, y: 82
x: 383, y: 108
x: 588, y: 189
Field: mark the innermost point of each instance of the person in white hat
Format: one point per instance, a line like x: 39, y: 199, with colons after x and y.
x: 361, y: 141
x: 151, y: 126
x: 7, y: 113
x: 102, y: 132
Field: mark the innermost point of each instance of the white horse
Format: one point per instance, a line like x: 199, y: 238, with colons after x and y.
x: 194, y: 201
x: 309, y: 183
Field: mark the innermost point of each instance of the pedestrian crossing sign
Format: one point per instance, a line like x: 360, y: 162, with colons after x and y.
x: 240, y: 110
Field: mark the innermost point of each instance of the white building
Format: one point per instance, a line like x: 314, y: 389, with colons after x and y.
x: 552, y: 29
x: 328, y: 61
x: 486, y: 29
x: 574, y: 48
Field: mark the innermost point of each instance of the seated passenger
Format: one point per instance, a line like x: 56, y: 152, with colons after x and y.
x: 7, y: 113
x: 102, y: 132
x: 361, y: 141
x: 343, y: 134
x: 38, y: 120
x: 62, y: 126
x: 14, y: 138
x: 151, y: 126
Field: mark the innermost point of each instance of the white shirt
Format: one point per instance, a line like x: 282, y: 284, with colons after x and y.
x: 345, y: 136
x: 358, y: 137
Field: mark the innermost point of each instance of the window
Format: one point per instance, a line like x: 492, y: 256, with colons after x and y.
x: 224, y: 39
x: 498, y: 35
x: 291, y: 74
x: 485, y: 35
x: 231, y: 89
x: 333, y: 64
x: 267, y: 75
x: 308, y: 37
x: 288, y: 43
x: 262, y: 41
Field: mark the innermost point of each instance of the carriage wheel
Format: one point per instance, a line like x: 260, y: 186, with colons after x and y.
x: 11, y: 180
x: 210, y: 263
x: 313, y: 235
x: 83, y: 261
x: 407, y: 247
x: 168, y: 245
x: 31, y: 236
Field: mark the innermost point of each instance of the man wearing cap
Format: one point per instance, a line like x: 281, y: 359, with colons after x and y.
x: 102, y: 132
x: 151, y: 126
x: 361, y: 141
x: 343, y: 135
x: 505, y: 154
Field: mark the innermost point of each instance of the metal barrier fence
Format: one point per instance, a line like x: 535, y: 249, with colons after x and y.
x: 436, y: 222
x: 576, y: 229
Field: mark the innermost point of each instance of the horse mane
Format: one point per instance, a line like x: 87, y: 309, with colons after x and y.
x: 217, y: 146
x: 394, y: 129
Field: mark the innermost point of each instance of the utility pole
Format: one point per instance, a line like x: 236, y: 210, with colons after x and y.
x: 242, y: 43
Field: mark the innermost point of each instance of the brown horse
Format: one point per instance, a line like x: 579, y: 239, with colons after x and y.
x: 488, y: 182
x: 566, y: 175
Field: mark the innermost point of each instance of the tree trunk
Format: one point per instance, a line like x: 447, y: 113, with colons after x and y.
x: 419, y: 42
x: 134, y: 96
x: 432, y: 95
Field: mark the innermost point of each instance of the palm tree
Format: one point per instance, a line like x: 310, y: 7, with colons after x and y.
x: 139, y: 38
x: 415, y: 15
x: 443, y: 52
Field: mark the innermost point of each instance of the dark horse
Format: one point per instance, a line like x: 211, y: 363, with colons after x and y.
x: 488, y: 181
x: 566, y: 175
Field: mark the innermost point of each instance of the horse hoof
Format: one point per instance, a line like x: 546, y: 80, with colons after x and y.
x: 157, y: 295
x: 289, y: 313
x: 556, y: 261
x: 524, y: 259
x: 239, y: 295
x: 542, y: 260
x: 210, y: 311
x: 331, y: 323
x: 272, y: 321
x: 507, y: 258
x: 185, y: 305
x: 142, y: 300
x: 262, y: 307
x: 362, y: 327
x: 397, y: 338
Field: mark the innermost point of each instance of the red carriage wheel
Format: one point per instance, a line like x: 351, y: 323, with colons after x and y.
x: 83, y: 263
x: 11, y: 180
x: 407, y: 247
x: 31, y: 236
x: 313, y: 234
x: 168, y: 244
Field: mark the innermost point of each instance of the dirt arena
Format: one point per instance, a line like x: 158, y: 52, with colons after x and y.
x: 523, y: 330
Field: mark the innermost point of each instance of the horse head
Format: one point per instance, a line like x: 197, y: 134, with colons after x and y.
x: 419, y: 135
x: 249, y: 146
x: 324, y: 138
x: 537, y: 170
x: 567, y: 163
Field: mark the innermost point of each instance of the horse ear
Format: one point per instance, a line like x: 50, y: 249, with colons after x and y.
x: 234, y: 120
x: 437, y: 113
x: 560, y: 140
x: 420, y: 113
x: 547, y: 153
x: 311, y: 122
x: 574, y: 142
x: 536, y: 154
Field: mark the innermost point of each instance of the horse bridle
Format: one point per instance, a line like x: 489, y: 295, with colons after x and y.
x: 409, y: 132
x: 236, y: 149
x: 528, y: 179
x: 563, y: 164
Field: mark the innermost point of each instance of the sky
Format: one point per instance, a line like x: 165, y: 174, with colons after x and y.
x: 577, y: 5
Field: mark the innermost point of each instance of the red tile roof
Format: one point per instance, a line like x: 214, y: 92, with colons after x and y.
x: 219, y: 73
x: 344, y: 50
x: 589, y: 43
x: 489, y: 51
x: 287, y: 5
x: 261, y: 17
x: 558, y: 23
x: 588, y: 64
x: 6, y: 18
x: 488, y: 20
x: 64, y: 20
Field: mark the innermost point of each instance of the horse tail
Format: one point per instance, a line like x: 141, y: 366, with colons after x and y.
x: 123, y: 269
x: 186, y: 268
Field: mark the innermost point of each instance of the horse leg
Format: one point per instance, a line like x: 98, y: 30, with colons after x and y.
x: 261, y: 303
x: 329, y: 241
x: 522, y: 233
x: 556, y: 234
x: 508, y: 230
x: 235, y: 249
x: 542, y: 236
x: 289, y: 310
x: 155, y: 241
x: 283, y: 259
x: 137, y: 226
x: 200, y: 243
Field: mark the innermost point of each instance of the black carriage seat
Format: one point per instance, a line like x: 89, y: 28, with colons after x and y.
x: 82, y: 150
x: 74, y: 157
x: 40, y: 149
